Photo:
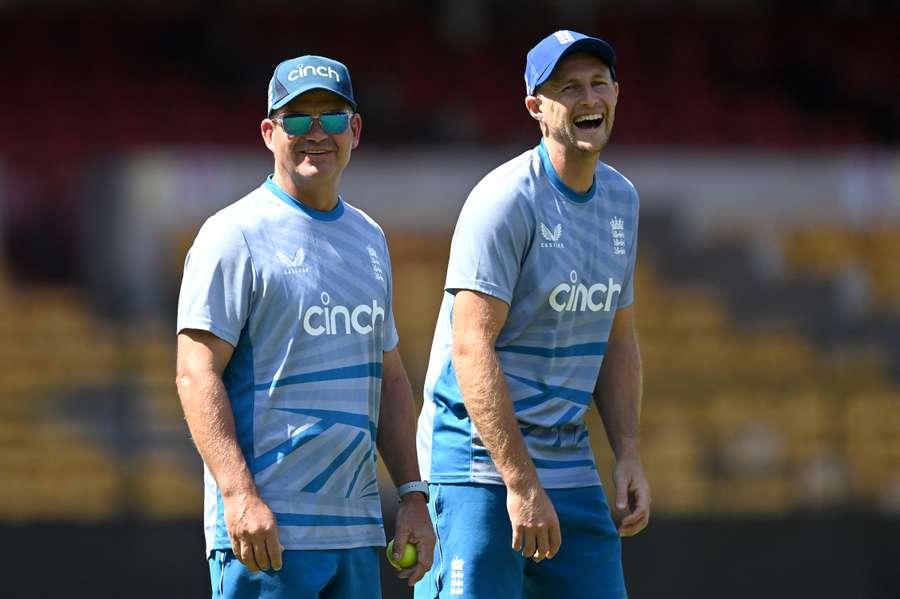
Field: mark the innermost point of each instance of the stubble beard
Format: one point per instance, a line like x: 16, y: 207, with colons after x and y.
x: 570, y: 134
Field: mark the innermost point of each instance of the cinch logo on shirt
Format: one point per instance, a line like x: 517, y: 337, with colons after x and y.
x: 341, y: 320
x: 579, y: 297
x: 322, y: 71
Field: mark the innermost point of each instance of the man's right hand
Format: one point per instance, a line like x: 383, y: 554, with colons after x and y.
x: 535, y: 525
x: 253, y: 531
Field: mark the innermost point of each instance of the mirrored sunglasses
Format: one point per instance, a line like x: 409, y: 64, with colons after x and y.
x: 333, y: 123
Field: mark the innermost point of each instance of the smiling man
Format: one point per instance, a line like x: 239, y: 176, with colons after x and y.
x: 536, y: 323
x: 288, y: 369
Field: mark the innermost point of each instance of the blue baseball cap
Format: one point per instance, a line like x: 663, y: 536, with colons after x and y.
x: 543, y: 58
x: 299, y: 75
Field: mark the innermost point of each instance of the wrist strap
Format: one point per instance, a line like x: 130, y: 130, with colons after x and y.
x: 413, y: 486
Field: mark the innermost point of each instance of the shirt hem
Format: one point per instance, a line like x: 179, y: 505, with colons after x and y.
x: 372, y: 542
x: 209, y: 327
x: 498, y: 480
x: 480, y: 286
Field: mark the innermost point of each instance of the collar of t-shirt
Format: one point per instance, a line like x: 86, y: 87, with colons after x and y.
x: 557, y: 183
x: 333, y: 214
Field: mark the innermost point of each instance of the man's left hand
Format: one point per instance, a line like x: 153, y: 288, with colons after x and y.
x: 632, y: 496
x: 413, y: 526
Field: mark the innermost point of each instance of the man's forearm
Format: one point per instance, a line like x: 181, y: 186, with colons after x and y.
x: 486, y: 397
x: 618, y: 396
x: 397, y: 425
x: 211, y: 423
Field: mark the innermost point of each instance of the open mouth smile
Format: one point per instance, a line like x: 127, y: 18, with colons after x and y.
x: 589, y: 121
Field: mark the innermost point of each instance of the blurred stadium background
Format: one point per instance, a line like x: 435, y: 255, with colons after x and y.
x: 764, y: 137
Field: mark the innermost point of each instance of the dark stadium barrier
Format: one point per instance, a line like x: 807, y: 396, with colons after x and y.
x: 794, y: 557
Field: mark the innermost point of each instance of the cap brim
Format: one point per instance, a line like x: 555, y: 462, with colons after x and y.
x: 297, y: 92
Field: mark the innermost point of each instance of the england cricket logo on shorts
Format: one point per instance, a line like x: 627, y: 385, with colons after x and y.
x: 456, y: 576
x: 552, y: 236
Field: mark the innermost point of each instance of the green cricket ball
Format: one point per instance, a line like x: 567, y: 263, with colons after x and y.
x: 407, y: 560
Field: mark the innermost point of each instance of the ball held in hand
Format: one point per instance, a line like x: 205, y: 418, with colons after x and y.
x: 407, y: 560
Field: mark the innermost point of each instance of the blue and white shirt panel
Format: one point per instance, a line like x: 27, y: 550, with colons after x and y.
x: 305, y: 298
x: 564, y: 263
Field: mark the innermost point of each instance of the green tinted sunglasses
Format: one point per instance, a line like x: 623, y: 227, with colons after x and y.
x: 332, y: 123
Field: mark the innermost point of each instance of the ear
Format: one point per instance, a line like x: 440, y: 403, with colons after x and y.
x: 267, y: 129
x: 356, y: 129
x: 533, y: 106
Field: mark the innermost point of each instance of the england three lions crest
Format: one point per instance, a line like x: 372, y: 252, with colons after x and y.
x: 617, y: 227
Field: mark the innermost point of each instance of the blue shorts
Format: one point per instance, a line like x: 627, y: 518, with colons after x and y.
x: 313, y: 574
x: 473, y: 557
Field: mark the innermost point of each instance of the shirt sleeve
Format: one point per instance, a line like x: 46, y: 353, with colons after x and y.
x: 626, y: 296
x: 218, y: 282
x: 390, y: 338
x: 489, y: 244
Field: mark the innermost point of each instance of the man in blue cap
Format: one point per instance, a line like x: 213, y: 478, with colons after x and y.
x: 288, y: 369
x: 536, y: 323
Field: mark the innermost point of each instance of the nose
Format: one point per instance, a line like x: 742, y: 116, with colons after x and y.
x: 592, y: 97
x: 316, y: 133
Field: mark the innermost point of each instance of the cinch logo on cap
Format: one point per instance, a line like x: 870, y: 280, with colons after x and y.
x: 304, y: 71
x: 299, y: 75
x: 564, y: 37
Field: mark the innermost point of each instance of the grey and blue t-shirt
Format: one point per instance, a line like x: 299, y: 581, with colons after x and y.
x: 305, y: 298
x: 564, y: 262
